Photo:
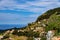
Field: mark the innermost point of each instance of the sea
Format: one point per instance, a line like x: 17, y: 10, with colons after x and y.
x: 9, y: 26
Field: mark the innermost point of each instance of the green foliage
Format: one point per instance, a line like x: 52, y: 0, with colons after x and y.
x: 43, y: 38
x: 30, y: 38
x: 47, y: 14
x: 6, y: 36
x: 29, y: 34
x: 54, y: 23
x: 36, y: 34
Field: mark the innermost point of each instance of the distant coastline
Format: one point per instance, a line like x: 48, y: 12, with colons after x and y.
x: 9, y: 26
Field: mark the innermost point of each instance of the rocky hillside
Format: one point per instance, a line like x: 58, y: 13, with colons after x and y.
x: 50, y: 20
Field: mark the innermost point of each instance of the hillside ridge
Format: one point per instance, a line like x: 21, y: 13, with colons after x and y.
x: 50, y: 20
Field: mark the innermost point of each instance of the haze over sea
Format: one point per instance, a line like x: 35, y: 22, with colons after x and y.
x: 9, y: 26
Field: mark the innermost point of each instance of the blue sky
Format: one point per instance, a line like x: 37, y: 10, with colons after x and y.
x: 24, y: 11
